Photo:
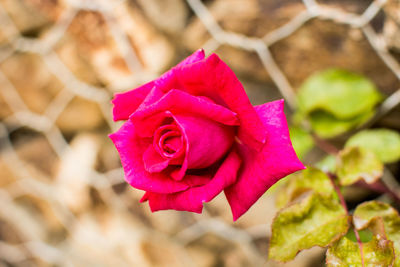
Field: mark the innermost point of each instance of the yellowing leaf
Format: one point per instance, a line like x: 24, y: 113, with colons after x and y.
x: 376, y: 252
x: 384, y: 143
x: 300, y: 182
x: 356, y: 163
x: 312, y: 221
x: 368, y: 211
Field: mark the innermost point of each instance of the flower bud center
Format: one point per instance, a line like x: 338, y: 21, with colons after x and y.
x: 168, y: 141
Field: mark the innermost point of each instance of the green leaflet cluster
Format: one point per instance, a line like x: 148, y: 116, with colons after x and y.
x: 382, y: 213
x: 312, y: 215
x: 313, y: 211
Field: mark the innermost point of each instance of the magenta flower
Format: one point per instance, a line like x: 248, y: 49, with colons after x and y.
x: 193, y: 133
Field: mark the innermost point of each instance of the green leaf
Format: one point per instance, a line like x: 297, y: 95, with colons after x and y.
x: 384, y: 143
x: 326, y: 125
x: 327, y: 164
x: 368, y: 211
x: 312, y: 221
x: 365, y: 235
x: 356, y: 163
x: 339, y: 92
x: 378, y: 251
x: 300, y: 182
x: 337, y: 100
x: 301, y: 140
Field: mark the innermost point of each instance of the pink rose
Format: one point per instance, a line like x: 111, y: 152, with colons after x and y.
x: 193, y: 133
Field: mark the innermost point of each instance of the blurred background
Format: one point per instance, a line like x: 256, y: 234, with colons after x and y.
x: 63, y: 199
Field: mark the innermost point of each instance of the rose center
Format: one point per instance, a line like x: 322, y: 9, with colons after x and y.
x: 168, y: 141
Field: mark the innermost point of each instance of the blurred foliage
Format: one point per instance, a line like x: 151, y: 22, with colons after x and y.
x: 368, y: 211
x: 327, y: 164
x: 336, y: 100
x: 384, y: 143
x: 301, y: 140
x: 346, y: 252
x: 306, y: 180
x: 355, y: 163
x: 313, y: 214
x: 313, y: 220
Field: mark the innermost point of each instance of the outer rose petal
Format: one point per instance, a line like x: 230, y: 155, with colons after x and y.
x: 260, y: 170
x: 193, y: 198
x: 179, y: 101
x: 196, y: 56
x: 213, y: 78
x: 131, y: 149
x: 126, y: 103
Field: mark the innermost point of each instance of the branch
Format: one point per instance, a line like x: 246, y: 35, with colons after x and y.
x: 379, y: 187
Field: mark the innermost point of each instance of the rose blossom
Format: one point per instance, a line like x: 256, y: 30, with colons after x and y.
x: 193, y: 133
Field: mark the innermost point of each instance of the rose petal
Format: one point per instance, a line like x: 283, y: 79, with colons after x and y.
x: 153, y: 96
x: 207, y: 141
x: 153, y: 162
x: 196, y: 56
x: 126, y: 103
x: 203, y: 147
x: 260, y: 170
x: 177, y: 101
x: 193, y: 198
x: 213, y: 78
x: 131, y: 149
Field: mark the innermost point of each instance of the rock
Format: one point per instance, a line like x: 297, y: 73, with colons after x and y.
x: 75, y: 172
x: 32, y: 16
x: 260, y: 214
x: 108, y: 158
x: 5, y: 110
x: 153, y: 50
x: 42, y: 211
x: 169, y: 221
x: 92, y: 53
x: 3, y: 36
x: 38, y: 86
x: 169, y: 16
x: 352, y: 6
x: 87, y: 35
x: 80, y: 115
x: 319, y: 45
x: 219, y: 252
x: 161, y: 253
x: 391, y: 28
x: 201, y: 256
x: 93, y: 234
x: 254, y: 18
x: 27, y: 147
x: 6, y: 173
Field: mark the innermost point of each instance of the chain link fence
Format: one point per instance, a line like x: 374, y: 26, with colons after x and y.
x: 84, y: 215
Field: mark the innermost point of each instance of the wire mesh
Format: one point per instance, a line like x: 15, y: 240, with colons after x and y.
x: 85, y: 241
